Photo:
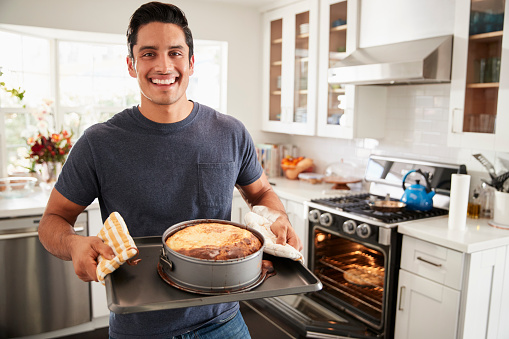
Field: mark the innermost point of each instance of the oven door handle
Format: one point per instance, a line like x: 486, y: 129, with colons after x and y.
x: 429, y: 262
x: 402, y: 291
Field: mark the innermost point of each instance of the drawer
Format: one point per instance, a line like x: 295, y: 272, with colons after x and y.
x: 437, y: 263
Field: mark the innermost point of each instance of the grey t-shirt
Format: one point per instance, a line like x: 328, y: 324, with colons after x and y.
x: 156, y: 175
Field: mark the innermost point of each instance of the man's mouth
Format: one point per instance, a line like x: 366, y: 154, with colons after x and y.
x: 163, y: 81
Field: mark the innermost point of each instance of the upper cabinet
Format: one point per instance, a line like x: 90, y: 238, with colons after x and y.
x: 479, y: 101
x: 289, y: 68
x: 297, y: 98
x: 345, y: 111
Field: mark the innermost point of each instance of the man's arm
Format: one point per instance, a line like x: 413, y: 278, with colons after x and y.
x: 57, y: 235
x: 261, y: 193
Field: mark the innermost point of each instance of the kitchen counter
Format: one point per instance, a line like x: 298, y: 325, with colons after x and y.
x: 302, y: 191
x: 478, y: 235
x: 34, y: 204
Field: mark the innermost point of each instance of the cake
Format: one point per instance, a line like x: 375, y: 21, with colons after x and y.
x: 365, y: 276
x: 214, y: 241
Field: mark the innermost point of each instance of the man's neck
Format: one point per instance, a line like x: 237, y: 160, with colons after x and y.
x: 166, y: 114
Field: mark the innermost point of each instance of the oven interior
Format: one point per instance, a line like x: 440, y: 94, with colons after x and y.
x: 352, y: 274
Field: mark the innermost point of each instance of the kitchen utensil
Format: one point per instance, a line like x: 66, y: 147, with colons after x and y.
x: 418, y: 197
x: 387, y: 206
x: 488, y: 165
x: 210, y: 276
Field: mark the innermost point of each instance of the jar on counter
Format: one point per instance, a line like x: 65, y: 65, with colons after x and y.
x: 487, y: 197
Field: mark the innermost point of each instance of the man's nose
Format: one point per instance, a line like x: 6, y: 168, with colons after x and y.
x: 164, y: 64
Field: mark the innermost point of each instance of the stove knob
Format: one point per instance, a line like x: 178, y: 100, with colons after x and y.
x: 314, y: 215
x: 326, y: 219
x: 349, y: 226
x: 363, y: 231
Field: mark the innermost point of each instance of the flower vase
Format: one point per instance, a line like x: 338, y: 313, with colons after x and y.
x: 50, y: 171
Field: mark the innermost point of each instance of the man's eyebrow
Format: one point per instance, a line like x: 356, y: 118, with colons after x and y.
x: 142, y: 48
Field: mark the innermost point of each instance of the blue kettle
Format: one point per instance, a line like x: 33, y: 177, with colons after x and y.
x: 418, y: 197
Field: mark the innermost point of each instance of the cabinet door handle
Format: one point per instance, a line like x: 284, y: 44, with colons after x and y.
x: 402, y: 291
x: 456, y: 126
x: 429, y: 262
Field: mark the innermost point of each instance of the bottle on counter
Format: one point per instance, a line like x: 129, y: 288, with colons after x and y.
x: 474, y: 205
x: 487, y: 196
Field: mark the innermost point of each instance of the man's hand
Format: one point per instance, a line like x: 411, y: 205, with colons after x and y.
x: 84, y: 252
x: 285, y: 233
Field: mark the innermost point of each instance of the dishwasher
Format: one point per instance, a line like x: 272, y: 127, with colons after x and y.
x: 38, y: 292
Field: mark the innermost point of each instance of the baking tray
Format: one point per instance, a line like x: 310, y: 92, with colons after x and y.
x: 139, y: 288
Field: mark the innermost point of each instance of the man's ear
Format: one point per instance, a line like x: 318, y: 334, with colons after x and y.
x: 131, y: 67
x: 191, y: 65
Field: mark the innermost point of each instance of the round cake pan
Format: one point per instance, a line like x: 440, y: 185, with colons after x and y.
x: 210, y: 276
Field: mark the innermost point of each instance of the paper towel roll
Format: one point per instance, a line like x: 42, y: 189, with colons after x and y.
x: 458, y: 205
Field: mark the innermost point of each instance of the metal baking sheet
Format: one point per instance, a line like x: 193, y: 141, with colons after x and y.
x: 140, y: 288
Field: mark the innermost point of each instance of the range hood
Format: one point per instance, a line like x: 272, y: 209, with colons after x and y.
x: 412, y: 62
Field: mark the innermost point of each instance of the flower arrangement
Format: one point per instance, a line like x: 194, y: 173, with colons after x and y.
x: 52, y: 147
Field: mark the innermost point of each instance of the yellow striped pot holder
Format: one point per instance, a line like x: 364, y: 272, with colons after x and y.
x: 115, y: 234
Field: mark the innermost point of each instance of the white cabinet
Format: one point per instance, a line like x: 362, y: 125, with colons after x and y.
x: 448, y: 294
x: 429, y: 286
x: 289, y: 68
x: 345, y: 111
x: 479, y: 100
x: 296, y: 215
x: 239, y: 209
x: 98, y: 291
x: 426, y: 309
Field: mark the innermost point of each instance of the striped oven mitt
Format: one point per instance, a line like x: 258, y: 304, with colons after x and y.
x: 115, y: 234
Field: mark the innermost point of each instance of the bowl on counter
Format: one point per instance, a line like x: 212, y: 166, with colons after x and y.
x: 16, y: 187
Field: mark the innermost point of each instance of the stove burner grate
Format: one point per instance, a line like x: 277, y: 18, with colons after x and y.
x: 359, y: 204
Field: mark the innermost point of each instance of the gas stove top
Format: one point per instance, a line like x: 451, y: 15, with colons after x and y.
x: 358, y: 204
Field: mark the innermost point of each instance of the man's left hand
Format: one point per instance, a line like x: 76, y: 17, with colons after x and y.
x: 285, y: 233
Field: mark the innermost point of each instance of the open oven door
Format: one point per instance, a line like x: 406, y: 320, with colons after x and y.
x: 304, y: 317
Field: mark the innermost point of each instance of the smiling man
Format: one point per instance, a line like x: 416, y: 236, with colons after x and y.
x: 165, y: 161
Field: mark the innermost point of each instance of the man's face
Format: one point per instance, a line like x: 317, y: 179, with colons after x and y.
x: 161, y: 63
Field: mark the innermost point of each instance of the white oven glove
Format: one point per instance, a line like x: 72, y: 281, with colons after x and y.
x: 260, y: 219
x: 116, y: 235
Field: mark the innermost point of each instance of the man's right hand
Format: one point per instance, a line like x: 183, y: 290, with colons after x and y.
x: 84, y: 252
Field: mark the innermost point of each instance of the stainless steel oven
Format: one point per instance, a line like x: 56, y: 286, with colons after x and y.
x: 355, y: 252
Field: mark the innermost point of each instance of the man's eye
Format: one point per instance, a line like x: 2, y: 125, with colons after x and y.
x: 175, y: 53
x: 148, y: 54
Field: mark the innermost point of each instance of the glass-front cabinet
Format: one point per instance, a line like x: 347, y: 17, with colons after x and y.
x: 334, y: 23
x: 479, y: 107
x: 344, y: 111
x: 290, y: 61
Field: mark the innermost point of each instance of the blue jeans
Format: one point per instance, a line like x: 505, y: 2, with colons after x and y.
x: 232, y: 327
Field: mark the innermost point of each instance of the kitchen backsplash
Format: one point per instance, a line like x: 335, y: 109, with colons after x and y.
x: 416, y: 127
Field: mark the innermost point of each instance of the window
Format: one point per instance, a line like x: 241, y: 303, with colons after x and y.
x: 86, y: 76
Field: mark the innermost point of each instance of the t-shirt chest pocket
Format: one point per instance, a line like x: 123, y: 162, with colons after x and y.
x: 216, y: 182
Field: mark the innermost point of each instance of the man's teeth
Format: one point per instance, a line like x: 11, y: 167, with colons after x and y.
x: 163, y: 81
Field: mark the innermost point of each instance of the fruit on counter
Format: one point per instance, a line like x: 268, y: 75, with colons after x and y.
x: 290, y: 162
x: 294, y: 166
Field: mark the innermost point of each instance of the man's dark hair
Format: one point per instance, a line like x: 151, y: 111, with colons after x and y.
x: 157, y: 12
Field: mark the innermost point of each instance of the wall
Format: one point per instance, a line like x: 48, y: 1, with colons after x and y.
x: 416, y: 128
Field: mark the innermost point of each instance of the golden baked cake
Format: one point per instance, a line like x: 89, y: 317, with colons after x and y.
x: 214, y: 241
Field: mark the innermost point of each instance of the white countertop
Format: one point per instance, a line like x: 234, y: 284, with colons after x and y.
x: 301, y: 191
x: 477, y: 236
x: 34, y: 204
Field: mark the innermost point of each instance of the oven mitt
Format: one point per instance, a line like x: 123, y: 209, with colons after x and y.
x: 260, y: 219
x: 115, y: 234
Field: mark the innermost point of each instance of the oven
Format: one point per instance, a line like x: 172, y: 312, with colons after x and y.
x: 355, y: 252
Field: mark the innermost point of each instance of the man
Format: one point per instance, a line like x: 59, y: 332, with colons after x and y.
x: 166, y: 161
